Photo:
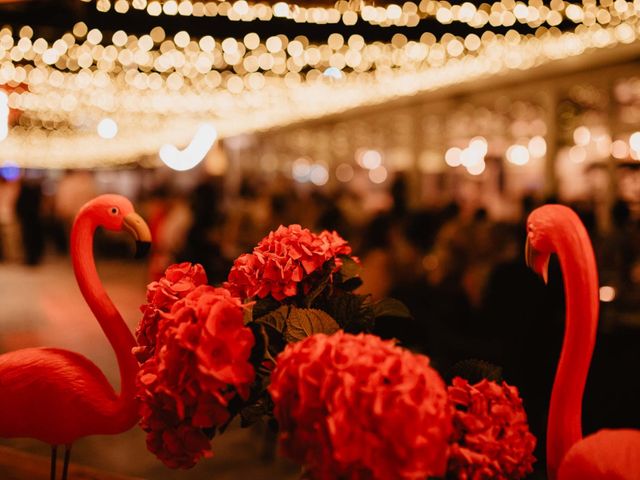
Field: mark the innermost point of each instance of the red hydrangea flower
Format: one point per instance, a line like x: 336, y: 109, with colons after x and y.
x: 491, y: 438
x: 282, y: 260
x: 178, y: 281
x: 358, y: 407
x: 200, y: 363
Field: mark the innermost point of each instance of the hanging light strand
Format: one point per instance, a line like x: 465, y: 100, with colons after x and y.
x: 165, y: 87
x: 506, y: 13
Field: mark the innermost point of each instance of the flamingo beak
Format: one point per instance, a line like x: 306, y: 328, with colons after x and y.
x: 139, y: 230
x: 537, y: 261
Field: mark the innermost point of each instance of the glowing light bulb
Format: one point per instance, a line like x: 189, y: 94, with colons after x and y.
x: 537, y: 146
x: 582, y: 135
x: 518, y: 154
x: 619, y: 149
x: 634, y: 141
x: 107, y: 128
x: 333, y: 72
x: 477, y: 167
x: 193, y: 153
x: 479, y: 146
x: 319, y: 175
x: 378, y: 175
x: 371, y: 159
x: 301, y: 169
x: 452, y: 157
x: 607, y: 293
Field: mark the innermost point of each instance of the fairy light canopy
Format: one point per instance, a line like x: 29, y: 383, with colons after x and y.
x: 159, y: 70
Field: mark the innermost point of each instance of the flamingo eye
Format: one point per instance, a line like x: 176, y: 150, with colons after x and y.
x: 114, y: 211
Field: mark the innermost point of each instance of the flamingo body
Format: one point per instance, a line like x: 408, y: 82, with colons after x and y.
x: 57, y: 396
x: 605, y: 455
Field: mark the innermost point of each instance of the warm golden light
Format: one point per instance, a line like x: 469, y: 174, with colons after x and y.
x: 537, y: 146
x: 518, y: 154
x: 378, y: 175
x: 582, y: 136
x: 607, y: 293
x: 160, y: 87
x: 344, y: 172
x: 403, y: 14
x: 107, y: 128
x: 452, y: 157
x: 619, y: 149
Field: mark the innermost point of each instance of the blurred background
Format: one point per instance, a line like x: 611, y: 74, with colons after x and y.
x: 424, y: 132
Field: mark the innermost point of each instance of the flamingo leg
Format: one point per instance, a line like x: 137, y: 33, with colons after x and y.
x: 54, y: 455
x: 67, y: 456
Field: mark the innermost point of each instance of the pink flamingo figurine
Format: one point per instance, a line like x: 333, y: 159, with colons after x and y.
x: 607, y: 454
x: 58, y: 396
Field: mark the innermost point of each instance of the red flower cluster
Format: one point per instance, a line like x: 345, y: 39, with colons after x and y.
x: 358, y: 407
x: 491, y: 437
x: 282, y: 260
x: 178, y: 281
x: 201, y: 362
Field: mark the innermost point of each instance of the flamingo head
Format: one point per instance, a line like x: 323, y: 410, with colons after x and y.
x: 541, y: 225
x: 116, y: 213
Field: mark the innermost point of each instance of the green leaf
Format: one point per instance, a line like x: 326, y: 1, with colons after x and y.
x: 344, y: 308
x: 276, y: 319
x: 263, y: 306
x: 320, y: 279
x: 351, y: 284
x: 350, y: 268
x: 304, y: 322
x: 390, y: 307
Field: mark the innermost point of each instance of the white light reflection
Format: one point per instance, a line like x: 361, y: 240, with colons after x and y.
x: 194, y: 153
x: 607, y: 293
x: 107, y: 128
x: 518, y: 154
x: 378, y: 175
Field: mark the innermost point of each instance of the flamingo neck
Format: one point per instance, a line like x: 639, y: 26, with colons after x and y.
x: 110, y: 320
x: 578, y: 265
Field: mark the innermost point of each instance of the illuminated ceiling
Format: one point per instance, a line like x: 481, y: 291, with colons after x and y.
x: 161, y: 69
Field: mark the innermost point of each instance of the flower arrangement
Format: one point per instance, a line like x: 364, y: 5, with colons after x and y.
x: 491, y: 436
x: 339, y: 398
x: 200, y: 365
x: 286, y: 338
x: 178, y: 281
x: 283, y: 263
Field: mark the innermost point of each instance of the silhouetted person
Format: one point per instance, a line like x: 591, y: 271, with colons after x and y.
x: 203, y: 245
x: 28, y: 211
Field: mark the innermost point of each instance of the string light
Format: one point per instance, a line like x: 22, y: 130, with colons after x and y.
x: 518, y: 154
x: 165, y: 87
x: 107, y: 128
x: 533, y: 13
x: 344, y: 172
x: 378, y: 175
x: 537, y: 146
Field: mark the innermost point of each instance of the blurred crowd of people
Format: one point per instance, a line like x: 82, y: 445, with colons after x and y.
x: 461, y: 273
